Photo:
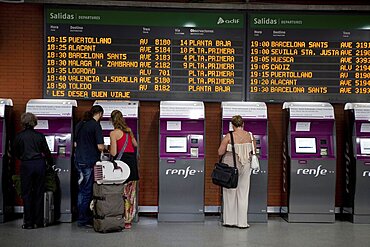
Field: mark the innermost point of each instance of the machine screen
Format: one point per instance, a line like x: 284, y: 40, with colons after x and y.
x: 365, y: 145
x: 176, y: 144
x: 106, y: 125
x: 305, y: 145
x: 106, y: 140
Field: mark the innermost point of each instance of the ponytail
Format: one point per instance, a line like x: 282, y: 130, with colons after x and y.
x: 119, y: 122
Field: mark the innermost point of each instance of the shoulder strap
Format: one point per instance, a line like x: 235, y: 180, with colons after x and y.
x: 232, y: 146
x: 253, y: 148
x: 123, y: 148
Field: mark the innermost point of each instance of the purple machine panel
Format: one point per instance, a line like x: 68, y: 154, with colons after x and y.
x: 129, y: 110
x: 192, y: 130
x: 181, y: 161
x: 258, y: 127
x: 309, y: 162
x: 321, y: 133
x: 254, y: 115
x: 357, y: 160
x: 55, y: 121
x: 58, y: 132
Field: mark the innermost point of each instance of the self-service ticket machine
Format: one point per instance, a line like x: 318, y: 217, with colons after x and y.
x: 55, y: 121
x: 254, y: 115
x: 6, y: 166
x: 181, y: 161
x: 130, y: 111
x: 357, y: 160
x: 309, y: 162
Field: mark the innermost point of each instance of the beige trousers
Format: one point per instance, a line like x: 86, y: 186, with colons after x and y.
x: 235, y: 201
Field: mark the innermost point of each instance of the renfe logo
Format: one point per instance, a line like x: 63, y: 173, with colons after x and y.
x: 257, y: 172
x: 366, y: 174
x: 312, y: 171
x: 182, y: 172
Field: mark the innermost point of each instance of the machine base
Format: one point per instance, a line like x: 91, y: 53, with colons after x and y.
x: 360, y: 218
x: 180, y: 217
x: 309, y: 218
x: 257, y: 218
x: 65, y: 218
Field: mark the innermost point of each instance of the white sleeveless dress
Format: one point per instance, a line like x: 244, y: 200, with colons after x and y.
x: 235, y: 201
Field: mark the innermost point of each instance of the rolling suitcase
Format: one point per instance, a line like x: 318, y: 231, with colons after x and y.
x: 48, y: 208
x: 108, y: 207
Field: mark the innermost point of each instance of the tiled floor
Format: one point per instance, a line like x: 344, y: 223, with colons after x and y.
x: 148, y: 232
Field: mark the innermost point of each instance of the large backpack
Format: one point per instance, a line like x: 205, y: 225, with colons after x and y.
x: 108, y: 207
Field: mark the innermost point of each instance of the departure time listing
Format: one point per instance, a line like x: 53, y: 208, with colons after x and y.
x: 118, y: 68
x: 311, y: 63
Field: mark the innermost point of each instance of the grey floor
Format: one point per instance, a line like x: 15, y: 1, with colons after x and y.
x: 148, y: 232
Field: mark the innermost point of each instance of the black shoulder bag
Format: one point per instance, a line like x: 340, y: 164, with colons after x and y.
x: 225, y: 175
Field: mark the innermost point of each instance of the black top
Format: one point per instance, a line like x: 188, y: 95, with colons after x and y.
x: 87, y: 136
x: 31, y: 145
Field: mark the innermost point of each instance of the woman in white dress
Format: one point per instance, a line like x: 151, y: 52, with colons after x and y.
x: 235, y: 201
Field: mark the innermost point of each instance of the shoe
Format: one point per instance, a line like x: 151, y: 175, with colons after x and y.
x: 27, y: 226
x: 243, y: 227
x: 226, y: 225
x: 39, y: 226
x: 86, y: 225
x: 128, y: 225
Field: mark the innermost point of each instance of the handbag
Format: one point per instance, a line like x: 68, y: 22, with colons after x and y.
x: 255, y: 164
x: 225, y: 175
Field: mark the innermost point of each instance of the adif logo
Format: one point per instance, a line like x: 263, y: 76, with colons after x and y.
x: 228, y: 21
x: 182, y: 172
x: 319, y: 171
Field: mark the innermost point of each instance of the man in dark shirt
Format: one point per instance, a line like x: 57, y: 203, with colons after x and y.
x: 89, y: 144
x: 31, y: 148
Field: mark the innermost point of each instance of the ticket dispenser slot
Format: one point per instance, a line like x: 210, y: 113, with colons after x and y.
x: 55, y: 121
x: 62, y: 151
x: 323, y: 148
x: 258, y: 147
x: 61, y: 143
x: 254, y: 115
x: 357, y: 161
x: 310, y: 162
x: 181, y: 161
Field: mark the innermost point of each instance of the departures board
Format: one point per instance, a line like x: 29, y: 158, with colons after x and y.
x: 308, y: 57
x: 115, y: 53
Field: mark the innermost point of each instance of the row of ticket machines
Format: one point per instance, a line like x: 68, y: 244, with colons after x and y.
x: 309, y: 156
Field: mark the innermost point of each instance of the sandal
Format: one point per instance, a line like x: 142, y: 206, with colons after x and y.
x: 128, y: 225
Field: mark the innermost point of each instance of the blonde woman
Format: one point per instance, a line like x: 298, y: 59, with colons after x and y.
x: 235, y: 201
x: 118, y: 137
